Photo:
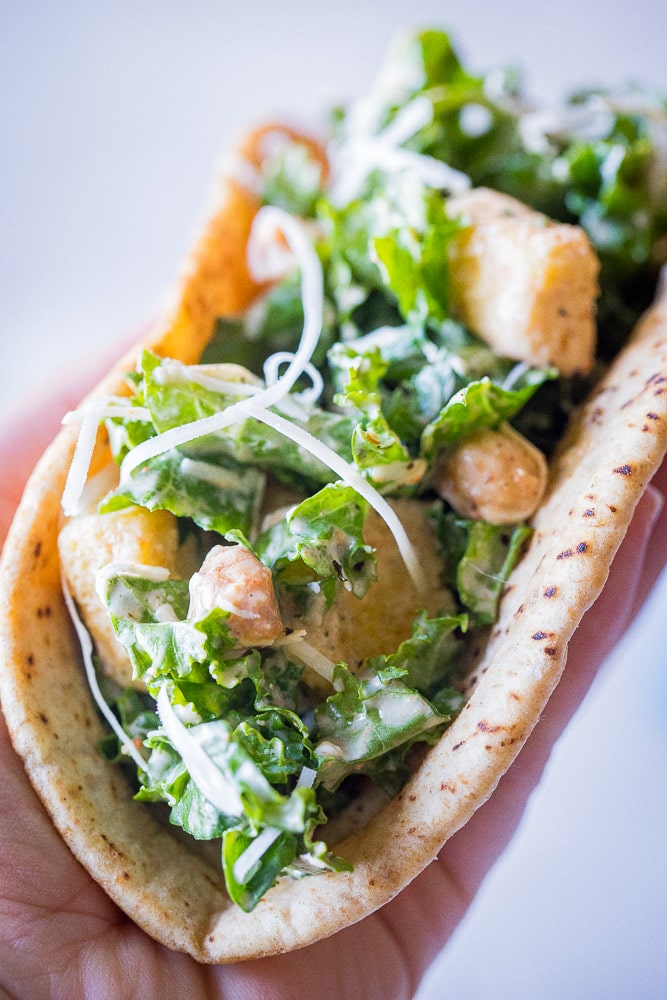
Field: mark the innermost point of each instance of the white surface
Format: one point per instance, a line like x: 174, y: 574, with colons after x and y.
x: 112, y: 117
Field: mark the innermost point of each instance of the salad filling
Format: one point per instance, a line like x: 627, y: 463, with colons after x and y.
x: 309, y: 530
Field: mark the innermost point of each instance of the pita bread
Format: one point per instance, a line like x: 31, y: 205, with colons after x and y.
x: 166, y: 885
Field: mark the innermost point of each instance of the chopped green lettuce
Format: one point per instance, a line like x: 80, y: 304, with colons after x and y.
x: 480, y: 558
x: 479, y: 406
x: 218, y: 496
x: 321, y: 539
x: 374, y: 713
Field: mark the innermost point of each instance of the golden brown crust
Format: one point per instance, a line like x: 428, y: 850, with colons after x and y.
x: 169, y: 888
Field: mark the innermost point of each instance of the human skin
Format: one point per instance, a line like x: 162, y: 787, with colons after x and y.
x: 62, y: 938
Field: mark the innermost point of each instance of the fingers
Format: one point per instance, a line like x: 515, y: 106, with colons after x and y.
x: 48, y: 903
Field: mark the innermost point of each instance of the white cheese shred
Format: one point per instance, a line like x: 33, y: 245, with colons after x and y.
x: 353, y: 478
x: 364, y: 152
x: 90, y: 417
x: 180, y: 435
x: 312, y: 292
x: 254, y: 852
x: 86, y: 644
x: 312, y: 658
x: 208, y: 778
x: 307, y: 777
x: 309, y: 395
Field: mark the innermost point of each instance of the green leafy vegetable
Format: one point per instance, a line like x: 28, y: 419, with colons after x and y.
x: 481, y: 557
x: 321, y: 539
x: 371, y: 714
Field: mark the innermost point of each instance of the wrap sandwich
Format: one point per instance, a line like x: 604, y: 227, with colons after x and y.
x: 288, y: 593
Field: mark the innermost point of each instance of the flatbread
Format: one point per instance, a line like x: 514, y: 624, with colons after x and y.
x: 165, y: 884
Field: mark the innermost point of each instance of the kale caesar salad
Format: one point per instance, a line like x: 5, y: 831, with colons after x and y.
x: 291, y: 565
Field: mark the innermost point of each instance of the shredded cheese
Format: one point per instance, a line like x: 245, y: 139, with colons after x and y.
x: 97, y: 486
x: 90, y: 417
x: 312, y: 293
x: 208, y: 778
x: 254, y: 853
x: 278, y: 358
x: 307, y: 777
x: 349, y: 474
x: 86, y: 644
x: 364, y: 152
x: 312, y: 658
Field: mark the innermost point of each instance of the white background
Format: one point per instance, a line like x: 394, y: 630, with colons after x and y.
x: 112, y: 116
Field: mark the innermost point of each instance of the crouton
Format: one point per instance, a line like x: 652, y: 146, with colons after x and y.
x: 523, y: 283
x: 353, y: 629
x: 134, y: 535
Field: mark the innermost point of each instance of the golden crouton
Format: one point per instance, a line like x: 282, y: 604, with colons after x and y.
x: 134, y: 535
x: 523, y: 283
x: 353, y: 629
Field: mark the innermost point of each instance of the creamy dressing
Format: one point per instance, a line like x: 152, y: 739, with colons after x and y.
x: 216, y: 475
x: 126, y: 604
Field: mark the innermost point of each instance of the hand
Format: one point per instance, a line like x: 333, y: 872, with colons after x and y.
x: 62, y: 937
